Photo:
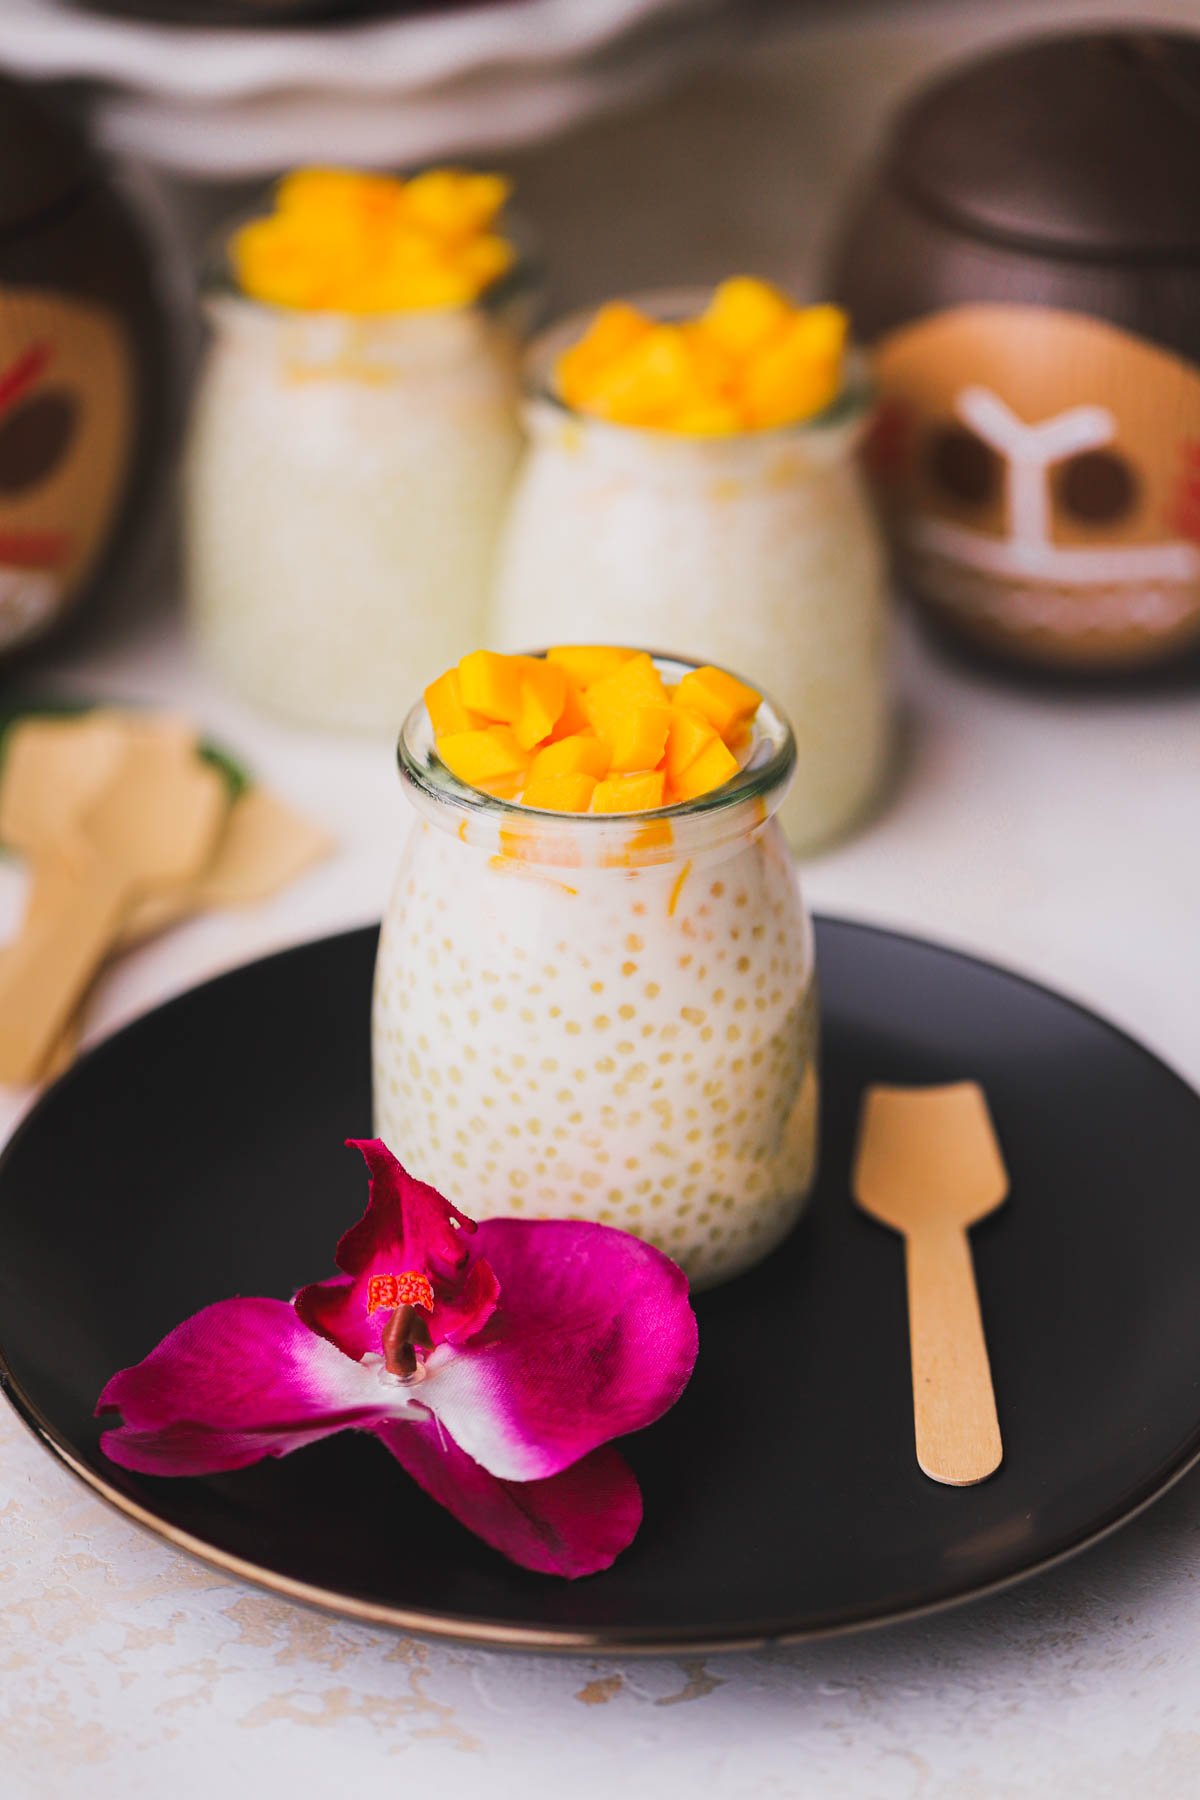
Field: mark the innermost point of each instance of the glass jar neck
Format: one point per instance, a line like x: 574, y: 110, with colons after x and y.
x: 713, y: 824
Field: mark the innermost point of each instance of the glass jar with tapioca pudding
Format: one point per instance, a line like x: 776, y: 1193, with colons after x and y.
x: 355, y: 434
x: 595, y: 992
x: 692, y: 478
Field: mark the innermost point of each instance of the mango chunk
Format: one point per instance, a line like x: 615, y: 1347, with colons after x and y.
x: 687, y: 736
x: 800, y: 373
x: 744, y: 313
x: 635, y: 683
x: 576, y: 755
x: 586, y: 663
x: 559, y: 793
x: 612, y: 331
x: 446, y: 708
x: 543, y: 696
x: 711, y: 769
x: 722, y: 699
x: 638, y: 737
x: 629, y: 793
x: 572, y: 719
x: 491, y: 684
x: 483, y: 758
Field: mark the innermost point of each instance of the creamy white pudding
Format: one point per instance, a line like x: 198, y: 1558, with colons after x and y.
x: 345, y: 485
x: 604, y: 1017
x: 757, y: 549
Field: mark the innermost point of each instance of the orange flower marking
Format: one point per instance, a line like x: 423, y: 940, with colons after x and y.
x: 408, y: 1289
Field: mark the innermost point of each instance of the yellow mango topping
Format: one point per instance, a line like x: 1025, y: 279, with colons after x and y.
x: 543, y: 696
x: 447, y: 711
x: 636, y: 683
x: 559, y: 793
x: 342, y: 240
x: 572, y: 720
x: 639, y: 737
x: 722, y: 699
x: 744, y: 314
x: 586, y: 663
x: 750, y: 361
x: 484, y: 758
x: 577, y: 755
x: 629, y: 793
x: 588, y: 728
x: 491, y: 685
x: 711, y: 769
x: 687, y: 736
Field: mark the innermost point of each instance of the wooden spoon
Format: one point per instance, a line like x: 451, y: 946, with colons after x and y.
x: 928, y: 1165
x: 152, y: 827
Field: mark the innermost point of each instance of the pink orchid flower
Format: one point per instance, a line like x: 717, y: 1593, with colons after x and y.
x: 494, y: 1361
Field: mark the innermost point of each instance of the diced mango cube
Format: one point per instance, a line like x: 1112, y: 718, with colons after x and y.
x: 559, y: 793
x: 543, y: 695
x: 647, y: 383
x: 635, y: 683
x: 711, y: 769
x: 586, y: 663
x: 708, y: 418
x: 744, y: 313
x: 572, y: 719
x: 446, y: 709
x: 638, y: 737
x: 612, y: 331
x: 629, y: 793
x: 798, y: 374
x: 576, y: 755
x: 483, y: 758
x: 491, y: 685
x: 688, y: 735
x: 454, y: 203
x: 720, y: 698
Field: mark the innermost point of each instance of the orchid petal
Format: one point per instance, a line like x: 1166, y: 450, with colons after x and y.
x: 403, y: 1215
x: 573, y: 1524
x: 407, y: 1226
x: 238, y: 1381
x: 593, y: 1337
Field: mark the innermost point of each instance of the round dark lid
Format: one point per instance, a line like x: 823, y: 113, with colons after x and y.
x: 1088, y: 143
x: 43, y: 155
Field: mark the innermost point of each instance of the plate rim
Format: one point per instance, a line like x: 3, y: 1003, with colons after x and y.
x: 491, y: 1633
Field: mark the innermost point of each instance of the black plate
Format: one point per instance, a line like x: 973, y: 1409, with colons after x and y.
x: 198, y: 1154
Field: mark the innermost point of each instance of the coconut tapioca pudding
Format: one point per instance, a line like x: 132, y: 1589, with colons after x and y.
x: 354, y: 438
x: 604, y: 1014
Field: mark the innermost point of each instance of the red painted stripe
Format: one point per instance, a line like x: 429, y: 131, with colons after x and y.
x: 33, y: 549
x: 20, y: 376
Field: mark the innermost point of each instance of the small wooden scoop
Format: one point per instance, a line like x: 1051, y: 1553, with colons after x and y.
x: 152, y: 827
x: 928, y: 1165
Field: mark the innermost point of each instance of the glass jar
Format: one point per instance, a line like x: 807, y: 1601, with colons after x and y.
x: 608, y: 1018
x: 759, y: 551
x: 344, y: 487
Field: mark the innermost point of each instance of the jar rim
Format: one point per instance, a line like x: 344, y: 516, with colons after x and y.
x: 849, y: 408
x: 520, y: 282
x: 575, y: 838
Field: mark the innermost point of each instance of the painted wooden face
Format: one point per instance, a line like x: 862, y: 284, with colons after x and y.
x: 65, y: 433
x: 1040, y: 474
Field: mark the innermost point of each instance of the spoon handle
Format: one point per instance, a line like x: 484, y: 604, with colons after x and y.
x: 954, y: 1406
x: 50, y: 966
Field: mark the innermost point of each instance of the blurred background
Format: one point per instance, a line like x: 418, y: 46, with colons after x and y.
x: 729, y: 131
